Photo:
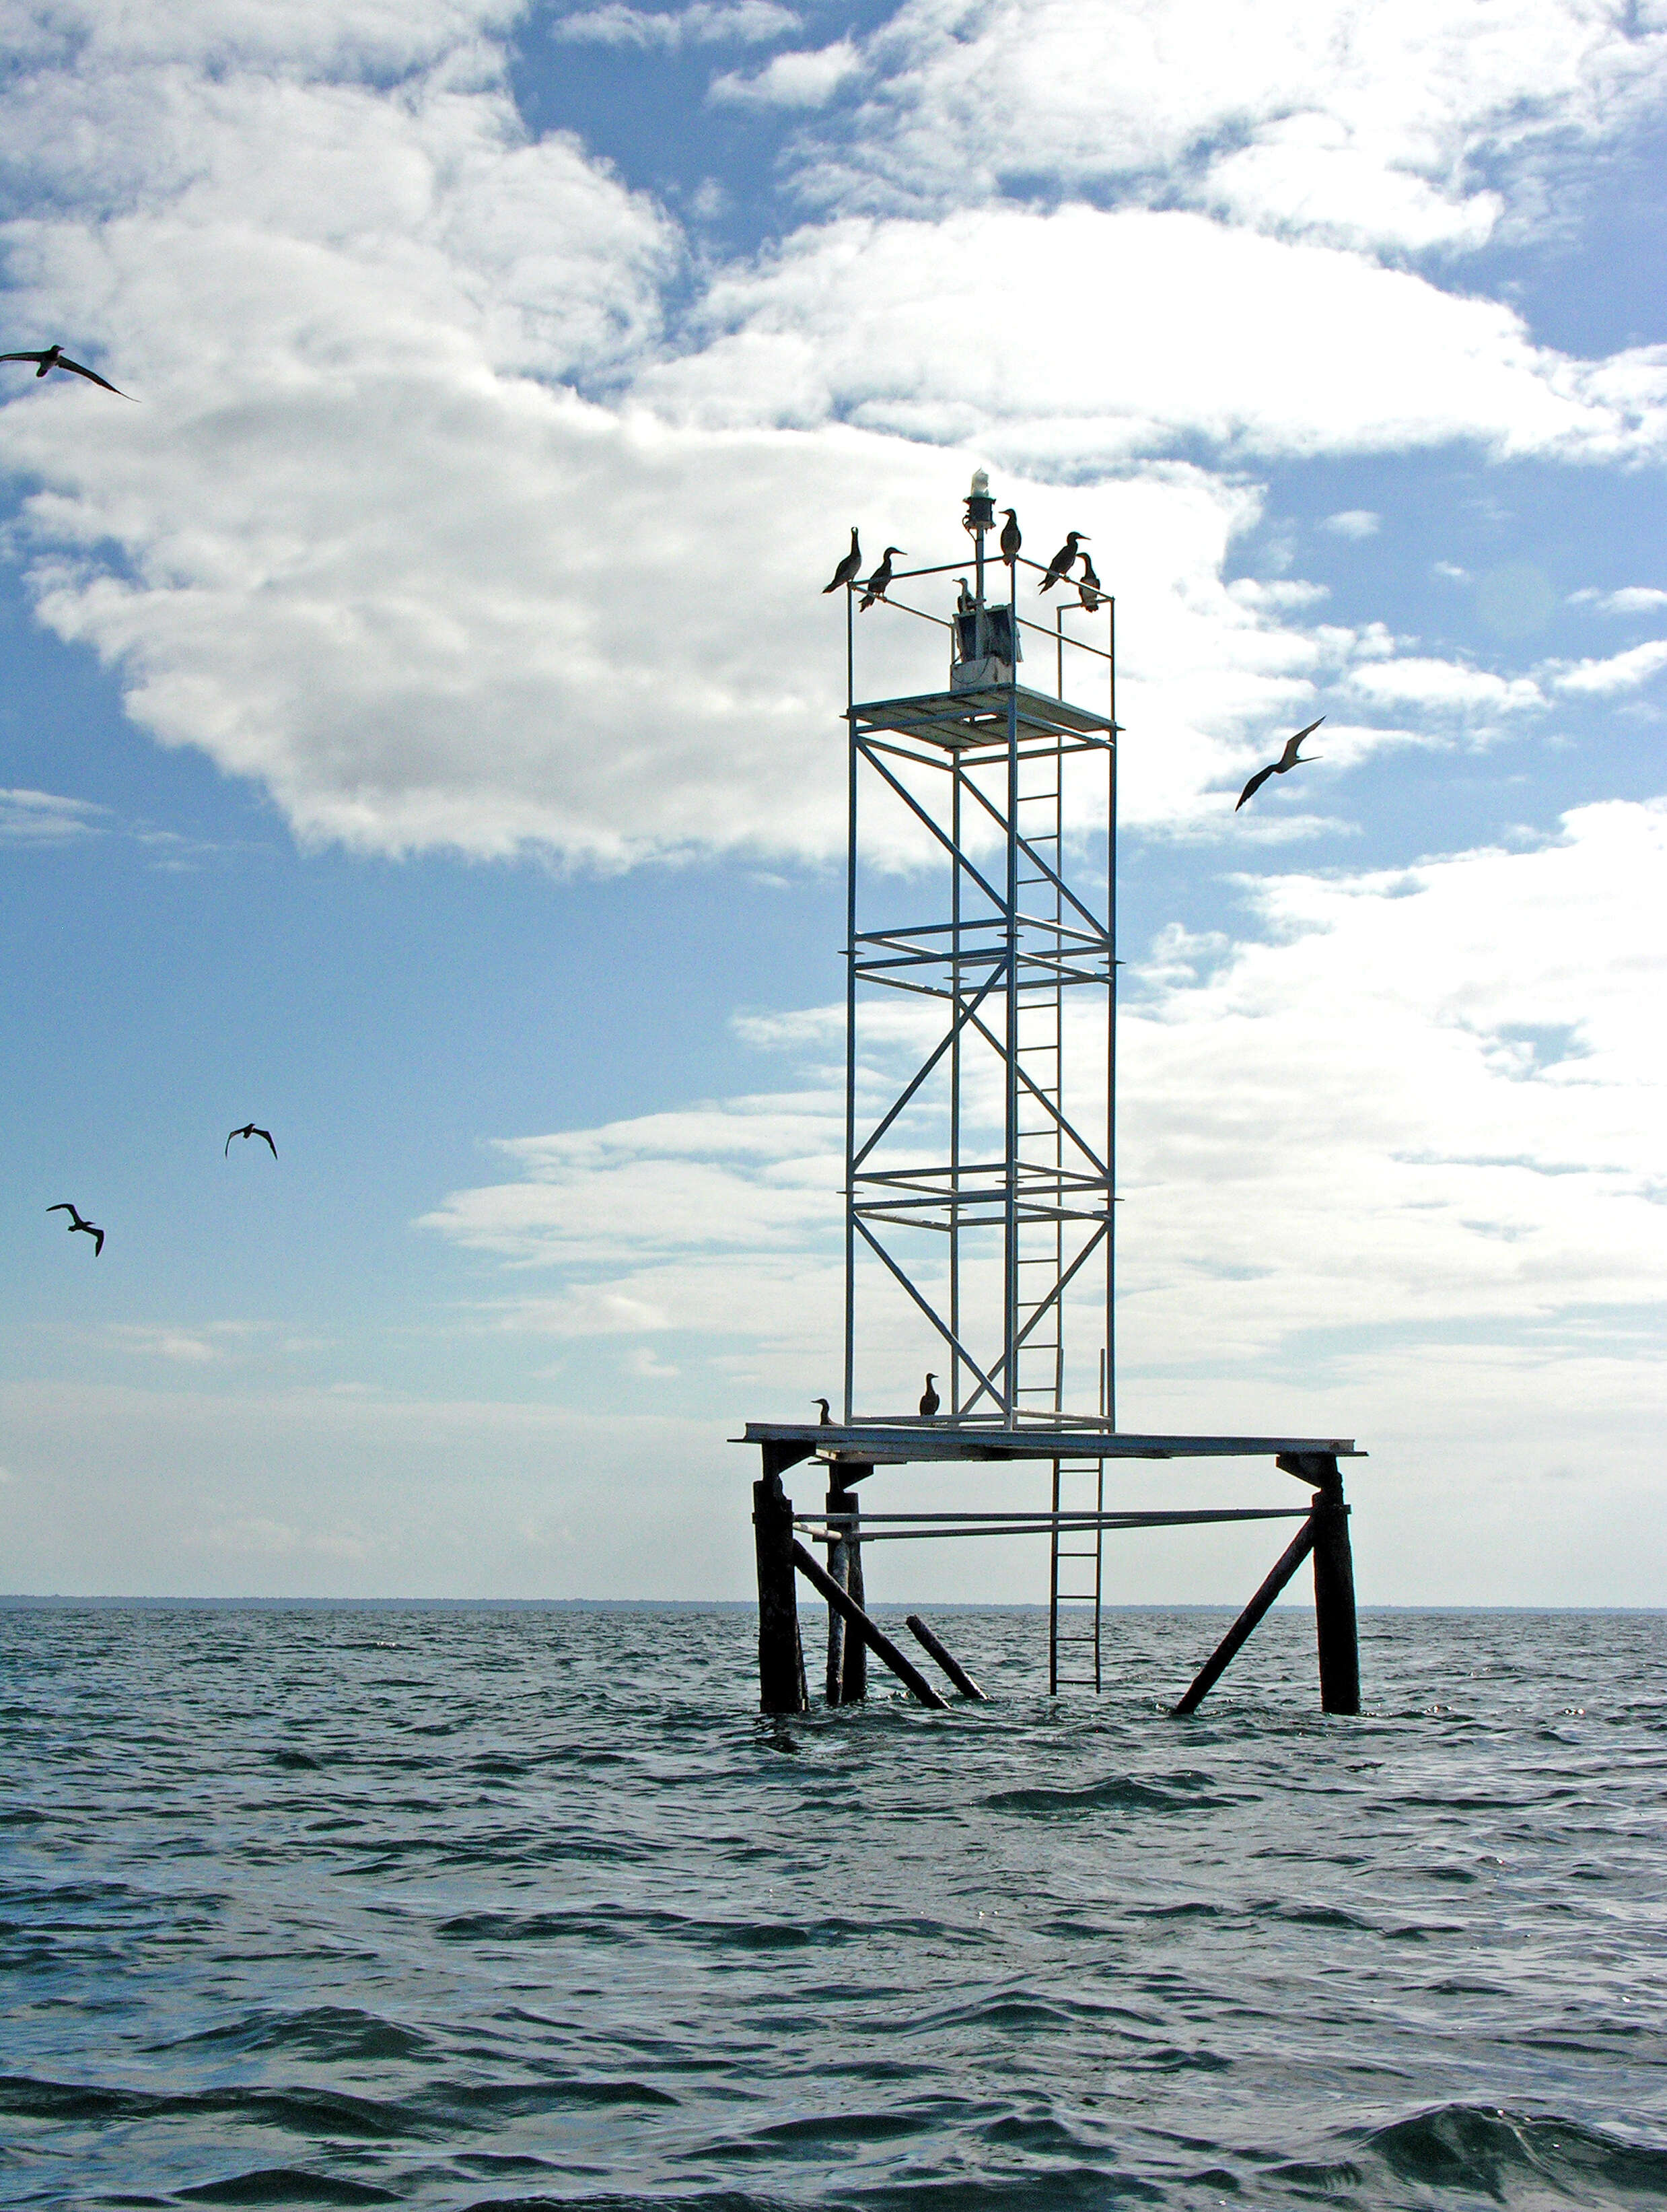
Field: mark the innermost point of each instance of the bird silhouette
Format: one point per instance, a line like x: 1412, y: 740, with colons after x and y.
x: 1289, y: 758
x: 848, y: 569
x: 1089, y: 589
x: 828, y: 1417
x: 75, y: 1222
x: 875, y: 587
x: 250, y: 1130
x: 55, y: 357
x: 1009, y: 540
x: 929, y: 1401
x: 1063, y: 561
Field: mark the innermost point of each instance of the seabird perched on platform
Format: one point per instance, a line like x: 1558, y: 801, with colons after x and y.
x: 847, y: 570
x: 55, y: 357
x: 963, y: 599
x: 250, y: 1130
x: 1063, y: 561
x: 1288, y: 759
x: 828, y: 1417
x: 1010, y: 541
x: 75, y: 1222
x: 929, y: 1401
x: 875, y: 587
x: 1089, y: 589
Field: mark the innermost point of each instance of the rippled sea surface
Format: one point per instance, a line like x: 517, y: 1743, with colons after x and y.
x: 319, y: 1906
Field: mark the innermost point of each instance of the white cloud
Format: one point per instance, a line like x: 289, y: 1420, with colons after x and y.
x: 1631, y: 599
x: 705, y: 22
x: 44, y: 817
x: 808, y: 79
x: 1352, y: 522
x: 1622, y: 671
x: 1349, y: 121
x: 991, y: 327
x: 1444, y: 687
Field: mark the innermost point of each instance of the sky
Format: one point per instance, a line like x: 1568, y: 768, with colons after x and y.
x: 420, y: 734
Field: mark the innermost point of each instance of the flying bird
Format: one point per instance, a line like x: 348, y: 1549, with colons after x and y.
x: 875, y: 587
x: 1010, y: 541
x: 75, y: 1222
x: 828, y: 1417
x: 1089, y: 588
x: 1063, y: 561
x: 1289, y: 758
x: 55, y: 357
x: 929, y: 1401
x: 250, y: 1130
x: 846, y: 573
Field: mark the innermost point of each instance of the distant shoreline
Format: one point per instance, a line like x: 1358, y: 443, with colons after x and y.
x: 16, y: 1603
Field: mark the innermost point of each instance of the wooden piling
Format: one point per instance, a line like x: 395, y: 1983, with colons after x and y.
x: 1221, y: 1658
x: 854, y: 1688
x: 1335, y: 1624
x: 839, y: 1500
x: 946, y: 1659
x: 869, y: 1632
x: 781, y: 1654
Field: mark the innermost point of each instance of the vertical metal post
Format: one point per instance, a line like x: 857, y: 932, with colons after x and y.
x: 1335, y: 1626
x: 1109, y: 1395
x: 853, y: 1686
x: 839, y: 1500
x: 954, y: 1062
x: 1010, y: 1206
x: 781, y: 1654
x: 850, y: 1030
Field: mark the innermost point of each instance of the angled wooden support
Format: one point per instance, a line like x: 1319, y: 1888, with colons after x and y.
x: 871, y: 1634
x: 945, y: 1658
x: 1221, y: 1658
x: 1335, y: 1627
x: 780, y: 1654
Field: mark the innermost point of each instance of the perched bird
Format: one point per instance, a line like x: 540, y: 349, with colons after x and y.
x: 1289, y: 758
x: 929, y: 1401
x: 1089, y: 588
x: 1010, y: 541
x: 828, y: 1417
x: 848, y: 569
x: 1063, y: 561
x: 55, y: 357
x: 250, y: 1130
x: 875, y: 587
x: 964, y: 602
x: 75, y: 1222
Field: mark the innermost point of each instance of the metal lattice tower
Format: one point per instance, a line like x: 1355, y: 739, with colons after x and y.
x: 980, y: 1183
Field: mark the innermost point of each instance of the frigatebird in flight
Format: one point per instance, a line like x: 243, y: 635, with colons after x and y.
x: 250, y: 1130
x: 1288, y: 759
x: 848, y: 569
x: 1063, y: 561
x: 55, y: 357
x: 75, y: 1222
x: 877, y: 585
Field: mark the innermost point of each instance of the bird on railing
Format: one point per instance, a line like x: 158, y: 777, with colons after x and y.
x: 75, y: 1222
x: 54, y: 356
x: 1010, y: 541
x: 1089, y: 588
x: 929, y: 1401
x: 1288, y: 759
x: 828, y: 1417
x: 877, y: 585
x: 847, y: 571
x: 250, y: 1130
x: 1063, y: 561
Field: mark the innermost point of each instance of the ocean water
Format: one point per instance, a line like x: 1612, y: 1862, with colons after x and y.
x: 319, y: 1906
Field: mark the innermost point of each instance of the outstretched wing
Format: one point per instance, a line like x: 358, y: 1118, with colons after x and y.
x: 22, y: 357
x: 97, y: 1243
x: 92, y: 376
x: 1254, y: 785
x: 63, y: 1206
x: 1290, y: 757
x: 234, y: 1133
x: 267, y: 1133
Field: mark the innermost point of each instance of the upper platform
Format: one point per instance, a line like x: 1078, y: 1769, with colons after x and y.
x: 892, y: 1442
x: 976, y: 721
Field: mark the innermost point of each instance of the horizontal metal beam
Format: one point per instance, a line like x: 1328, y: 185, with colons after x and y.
x: 900, y: 1438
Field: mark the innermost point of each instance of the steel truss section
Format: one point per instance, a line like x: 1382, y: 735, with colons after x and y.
x: 991, y: 1240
